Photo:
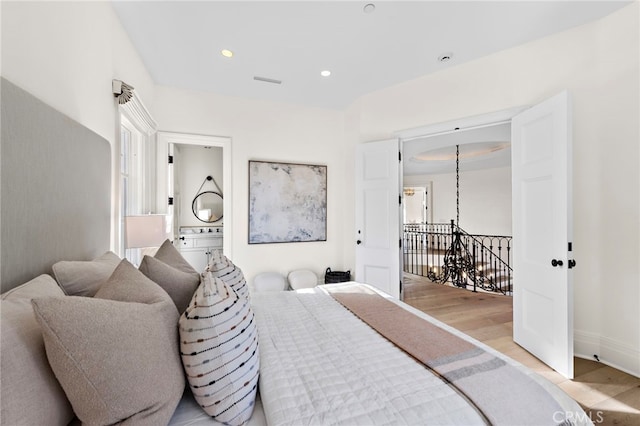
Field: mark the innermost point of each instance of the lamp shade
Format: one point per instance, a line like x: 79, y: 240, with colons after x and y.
x: 145, y: 230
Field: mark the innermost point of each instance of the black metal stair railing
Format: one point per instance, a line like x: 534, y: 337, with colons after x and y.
x: 445, y: 253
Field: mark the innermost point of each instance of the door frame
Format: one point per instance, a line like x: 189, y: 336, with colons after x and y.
x: 163, y: 141
x: 461, y: 124
x: 468, y: 123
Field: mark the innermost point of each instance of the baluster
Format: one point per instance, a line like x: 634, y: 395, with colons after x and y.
x: 495, y: 268
x: 475, y: 267
x: 419, y: 251
x: 509, y: 264
x: 414, y: 250
x: 409, y: 250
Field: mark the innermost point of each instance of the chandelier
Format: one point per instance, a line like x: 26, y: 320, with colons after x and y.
x: 458, y: 266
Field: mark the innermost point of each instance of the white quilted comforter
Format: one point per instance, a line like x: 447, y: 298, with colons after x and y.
x: 321, y: 365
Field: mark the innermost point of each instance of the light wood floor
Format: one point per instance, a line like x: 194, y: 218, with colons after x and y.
x: 609, y: 396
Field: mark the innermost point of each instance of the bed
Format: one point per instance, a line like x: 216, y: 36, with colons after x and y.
x: 324, y: 365
x: 320, y: 364
x: 320, y: 361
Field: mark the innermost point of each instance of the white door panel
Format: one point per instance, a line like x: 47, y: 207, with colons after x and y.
x: 378, y: 183
x: 543, y: 295
x: 376, y: 218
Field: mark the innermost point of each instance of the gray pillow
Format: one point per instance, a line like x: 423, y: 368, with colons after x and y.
x: 30, y: 393
x: 180, y: 285
x: 116, y: 355
x: 171, y: 256
x: 84, y: 278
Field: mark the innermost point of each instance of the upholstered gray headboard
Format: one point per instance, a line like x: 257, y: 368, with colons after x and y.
x: 56, y: 188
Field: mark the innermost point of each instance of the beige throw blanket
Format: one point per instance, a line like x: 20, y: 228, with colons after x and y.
x: 501, y: 392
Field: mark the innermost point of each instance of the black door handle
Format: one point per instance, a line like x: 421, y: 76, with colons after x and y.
x: 358, y: 242
x: 555, y: 263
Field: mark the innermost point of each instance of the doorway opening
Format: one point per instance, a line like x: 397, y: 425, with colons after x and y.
x: 199, y: 208
x: 468, y: 171
x: 416, y: 205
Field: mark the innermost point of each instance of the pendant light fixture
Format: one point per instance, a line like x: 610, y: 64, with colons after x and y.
x: 458, y: 266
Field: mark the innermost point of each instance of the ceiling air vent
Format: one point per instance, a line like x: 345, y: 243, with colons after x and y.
x: 267, y: 80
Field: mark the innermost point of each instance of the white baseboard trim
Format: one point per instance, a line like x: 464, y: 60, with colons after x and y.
x: 613, y: 353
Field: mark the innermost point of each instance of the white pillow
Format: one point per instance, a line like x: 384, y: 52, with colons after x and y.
x: 219, y: 349
x: 220, y: 266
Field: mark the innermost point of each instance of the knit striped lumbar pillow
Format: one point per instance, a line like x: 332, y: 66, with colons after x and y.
x: 219, y: 349
x: 220, y: 266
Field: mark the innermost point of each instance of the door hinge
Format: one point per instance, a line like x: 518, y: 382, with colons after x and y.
x: 572, y: 262
x: 400, y: 199
x: 399, y: 156
x: 400, y: 243
x: 171, y: 159
x: 170, y: 201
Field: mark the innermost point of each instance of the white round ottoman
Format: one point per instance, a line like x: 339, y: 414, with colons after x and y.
x: 269, y: 281
x: 302, y: 278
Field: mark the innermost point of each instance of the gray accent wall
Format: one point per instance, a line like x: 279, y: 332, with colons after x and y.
x: 55, y: 183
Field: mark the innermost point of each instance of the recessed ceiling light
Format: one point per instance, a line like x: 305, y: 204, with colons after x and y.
x: 226, y: 53
x: 325, y: 73
x: 369, y: 8
x: 445, y: 57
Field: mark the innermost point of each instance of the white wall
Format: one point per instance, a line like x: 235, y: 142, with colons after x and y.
x: 485, y: 199
x: 66, y: 54
x: 598, y: 63
x: 274, y: 132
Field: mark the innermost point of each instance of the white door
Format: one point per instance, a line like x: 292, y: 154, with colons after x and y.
x: 378, y: 208
x: 542, y: 232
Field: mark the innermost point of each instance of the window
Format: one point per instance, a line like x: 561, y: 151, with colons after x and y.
x: 134, y: 176
x: 137, y: 166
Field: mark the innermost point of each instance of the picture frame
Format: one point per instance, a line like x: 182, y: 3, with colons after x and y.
x: 287, y: 202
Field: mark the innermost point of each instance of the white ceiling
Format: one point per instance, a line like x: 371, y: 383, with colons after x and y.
x: 292, y: 41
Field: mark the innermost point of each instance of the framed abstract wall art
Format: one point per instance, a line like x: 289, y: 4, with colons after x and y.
x: 287, y: 202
